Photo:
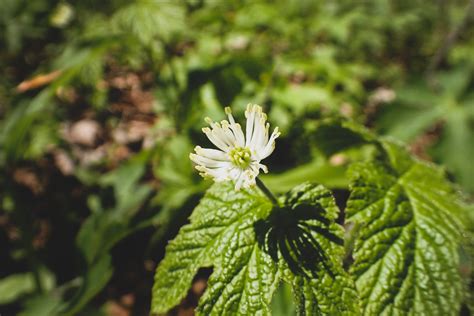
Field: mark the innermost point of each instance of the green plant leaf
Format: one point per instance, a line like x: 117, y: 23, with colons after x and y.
x: 282, y: 304
x: 452, y: 149
x: 406, y: 251
x: 104, y: 228
x: 178, y: 177
x: 244, y: 283
x: 40, y: 305
x: 332, y: 136
x: 214, y: 223
x: 329, y: 290
x: 252, y: 247
x: 301, y: 97
x: 14, y: 286
x: 94, y: 280
x: 147, y: 20
x: 325, y: 297
x: 420, y: 113
x: 318, y: 170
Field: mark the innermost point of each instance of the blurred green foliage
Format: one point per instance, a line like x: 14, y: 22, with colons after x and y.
x: 101, y: 103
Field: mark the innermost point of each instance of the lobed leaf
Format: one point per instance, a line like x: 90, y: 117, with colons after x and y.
x: 214, y: 223
x: 252, y: 247
x: 406, y: 253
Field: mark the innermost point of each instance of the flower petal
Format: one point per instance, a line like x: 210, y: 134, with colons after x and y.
x: 270, y: 146
x: 216, y: 139
x: 210, y: 163
x: 211, y: 153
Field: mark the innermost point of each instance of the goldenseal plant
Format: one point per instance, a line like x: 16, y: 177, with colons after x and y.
x: 238, y: 156
x: 398, y: 256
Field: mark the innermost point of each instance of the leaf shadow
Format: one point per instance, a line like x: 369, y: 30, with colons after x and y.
x: 289, y: 232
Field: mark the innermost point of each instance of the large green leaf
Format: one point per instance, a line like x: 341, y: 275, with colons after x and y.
x: 222, y: 213
x: 252, y: 246
x: 406, y: 253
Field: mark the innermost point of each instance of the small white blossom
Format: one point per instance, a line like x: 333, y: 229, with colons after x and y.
x: 238, y: 156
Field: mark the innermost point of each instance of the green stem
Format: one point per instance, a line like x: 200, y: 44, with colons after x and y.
x: 36, y: 276
x: 267, y: 192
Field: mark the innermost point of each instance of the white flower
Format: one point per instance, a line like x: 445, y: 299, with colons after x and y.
x: 238, y: 156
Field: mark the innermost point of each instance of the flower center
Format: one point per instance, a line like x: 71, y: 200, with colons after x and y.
x: 240, y: 157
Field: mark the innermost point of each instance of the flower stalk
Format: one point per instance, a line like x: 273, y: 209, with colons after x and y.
x: 266, y: 191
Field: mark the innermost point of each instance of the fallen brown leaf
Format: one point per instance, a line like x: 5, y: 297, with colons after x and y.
x: 37, y: 81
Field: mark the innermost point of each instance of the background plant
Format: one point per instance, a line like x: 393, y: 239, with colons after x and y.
x: 100, y: 100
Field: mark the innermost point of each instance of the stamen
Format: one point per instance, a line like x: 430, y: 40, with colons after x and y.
x: 240, y: 157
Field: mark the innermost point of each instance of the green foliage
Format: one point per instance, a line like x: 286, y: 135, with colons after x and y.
x: 14, y: 286
x: 451, y: 103
x: 328, y: 290
x: 149, y: 20
x: 17, y: 21
x: 96, y: 277
x: 333, y: 136
x: 243, y: 282
x: 221, y: 216
x: 14, y: 133
x: 104, y: 228
x: 318, y: 170
x: 163, y: 66
x: 406, y: 251
x: 282, y: 304
x: 251, y: 246
x: 178, y: 176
